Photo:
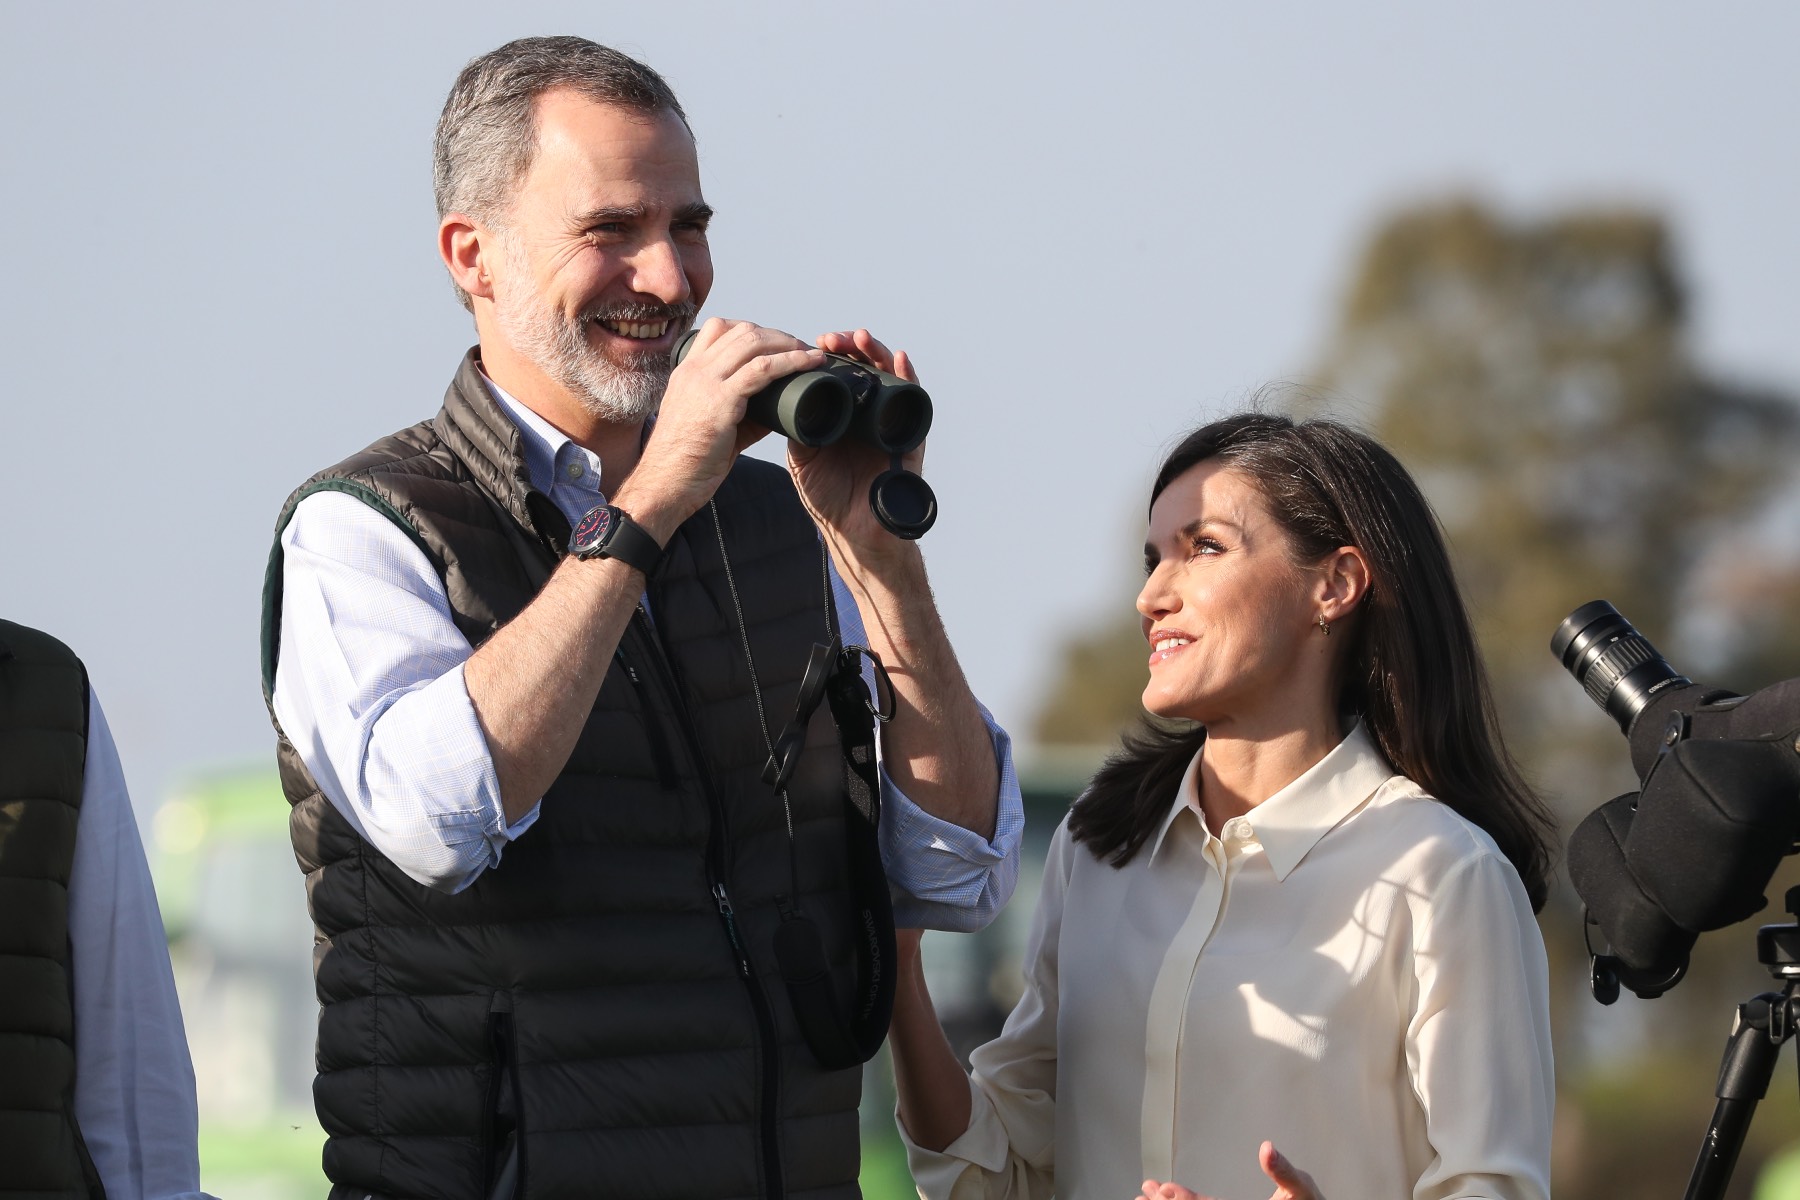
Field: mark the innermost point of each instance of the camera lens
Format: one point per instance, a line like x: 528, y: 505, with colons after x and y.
x: 1615, y: 664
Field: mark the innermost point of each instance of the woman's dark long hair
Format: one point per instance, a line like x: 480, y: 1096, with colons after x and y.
x: 1413, y: 671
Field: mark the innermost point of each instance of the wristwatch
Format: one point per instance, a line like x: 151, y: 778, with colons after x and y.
x: 604, y: 531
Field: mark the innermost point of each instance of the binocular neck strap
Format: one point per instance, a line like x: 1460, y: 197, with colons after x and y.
x: 838, y: 1037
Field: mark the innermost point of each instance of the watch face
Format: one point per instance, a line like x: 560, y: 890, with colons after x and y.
x: 592, y: 530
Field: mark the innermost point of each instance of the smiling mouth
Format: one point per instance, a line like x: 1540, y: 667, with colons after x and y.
x: 643, y: 331
x: 1166, y: 642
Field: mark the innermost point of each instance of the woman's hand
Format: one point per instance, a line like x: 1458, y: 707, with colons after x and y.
x: 1291, y: 1183
x: 932, y: 1085
x: 906, y: 945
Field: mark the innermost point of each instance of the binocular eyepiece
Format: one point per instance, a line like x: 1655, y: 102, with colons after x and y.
x: 847, y: 398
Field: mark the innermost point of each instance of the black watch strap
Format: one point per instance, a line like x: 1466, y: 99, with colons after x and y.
x: 605, y: 531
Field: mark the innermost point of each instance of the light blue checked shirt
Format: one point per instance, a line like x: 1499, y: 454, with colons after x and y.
x: 369, y: 689
x: 134, y: 1079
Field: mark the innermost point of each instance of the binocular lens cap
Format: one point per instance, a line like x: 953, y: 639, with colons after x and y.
x: 904, y: 503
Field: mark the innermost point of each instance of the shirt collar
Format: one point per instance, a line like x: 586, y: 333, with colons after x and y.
x: 1291, y: 822
x: 1184, y: 794
x: 543, y: 443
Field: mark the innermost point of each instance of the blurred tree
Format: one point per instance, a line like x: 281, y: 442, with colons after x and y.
x: 1097, y: 689
x: 1538, y: 383
x: 1536, y: 379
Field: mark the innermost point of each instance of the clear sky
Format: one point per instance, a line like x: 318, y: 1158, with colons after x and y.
x: 1093, y: 225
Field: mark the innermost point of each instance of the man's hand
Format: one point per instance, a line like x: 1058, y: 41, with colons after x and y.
x: 700, y: 429
x: 534, y: 681
x: 834, y: 480
x: 936, y: 749
x: 1291, y: 1183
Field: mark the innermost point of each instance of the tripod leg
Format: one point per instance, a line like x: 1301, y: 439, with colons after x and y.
x: 1744, y: 1073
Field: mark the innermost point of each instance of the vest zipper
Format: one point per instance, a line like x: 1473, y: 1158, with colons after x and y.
x: 717, y: 871
x: 653, y: 731
x: 723, y: 899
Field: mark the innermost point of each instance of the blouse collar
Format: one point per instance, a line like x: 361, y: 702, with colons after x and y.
x: 1291, y: 822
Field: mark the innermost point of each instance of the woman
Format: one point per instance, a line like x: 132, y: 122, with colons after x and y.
x: 1305, y: 914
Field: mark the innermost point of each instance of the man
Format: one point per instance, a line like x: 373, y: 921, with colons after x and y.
x: 524, y: 734
x: 96, y: 1087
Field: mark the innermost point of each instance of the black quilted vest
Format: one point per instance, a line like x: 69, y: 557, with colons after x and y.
x: 588, y: 997
x: 43, y: 754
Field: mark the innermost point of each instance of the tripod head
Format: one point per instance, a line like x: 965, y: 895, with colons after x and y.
x: 1778, y: 946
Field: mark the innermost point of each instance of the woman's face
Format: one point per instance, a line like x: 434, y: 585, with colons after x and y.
x: 1230, y: 617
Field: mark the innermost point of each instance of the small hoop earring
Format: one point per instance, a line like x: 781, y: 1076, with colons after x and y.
x: 1323, y: 627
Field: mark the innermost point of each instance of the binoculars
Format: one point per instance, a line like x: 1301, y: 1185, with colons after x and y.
x: 847, y: 398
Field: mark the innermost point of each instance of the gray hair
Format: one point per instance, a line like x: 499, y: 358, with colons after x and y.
x: 487, y: 134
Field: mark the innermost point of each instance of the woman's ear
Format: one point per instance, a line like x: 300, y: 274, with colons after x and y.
x: 1343, y: 582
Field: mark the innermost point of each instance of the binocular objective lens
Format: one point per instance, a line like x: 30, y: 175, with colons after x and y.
x: 817, y: 420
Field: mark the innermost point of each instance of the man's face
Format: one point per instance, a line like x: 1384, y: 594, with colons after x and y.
x: 605, y: 258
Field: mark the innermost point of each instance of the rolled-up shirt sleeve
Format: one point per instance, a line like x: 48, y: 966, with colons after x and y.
x: 942, y: 875
x: 369, y: 689
x: 134, y: 1080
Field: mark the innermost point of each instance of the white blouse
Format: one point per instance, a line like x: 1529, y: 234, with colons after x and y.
x: 1350, y: 969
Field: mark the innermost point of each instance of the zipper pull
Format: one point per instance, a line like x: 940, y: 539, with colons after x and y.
x: 723, y: 900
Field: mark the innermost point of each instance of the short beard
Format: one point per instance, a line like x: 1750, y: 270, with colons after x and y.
x: 624, y: 393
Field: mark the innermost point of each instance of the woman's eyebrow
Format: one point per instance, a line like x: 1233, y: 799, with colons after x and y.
x: 1198, y: 523
x: 1192, y: 528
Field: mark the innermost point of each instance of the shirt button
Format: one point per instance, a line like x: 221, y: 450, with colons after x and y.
x: 576, y: 470
x: 1242, y: 833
